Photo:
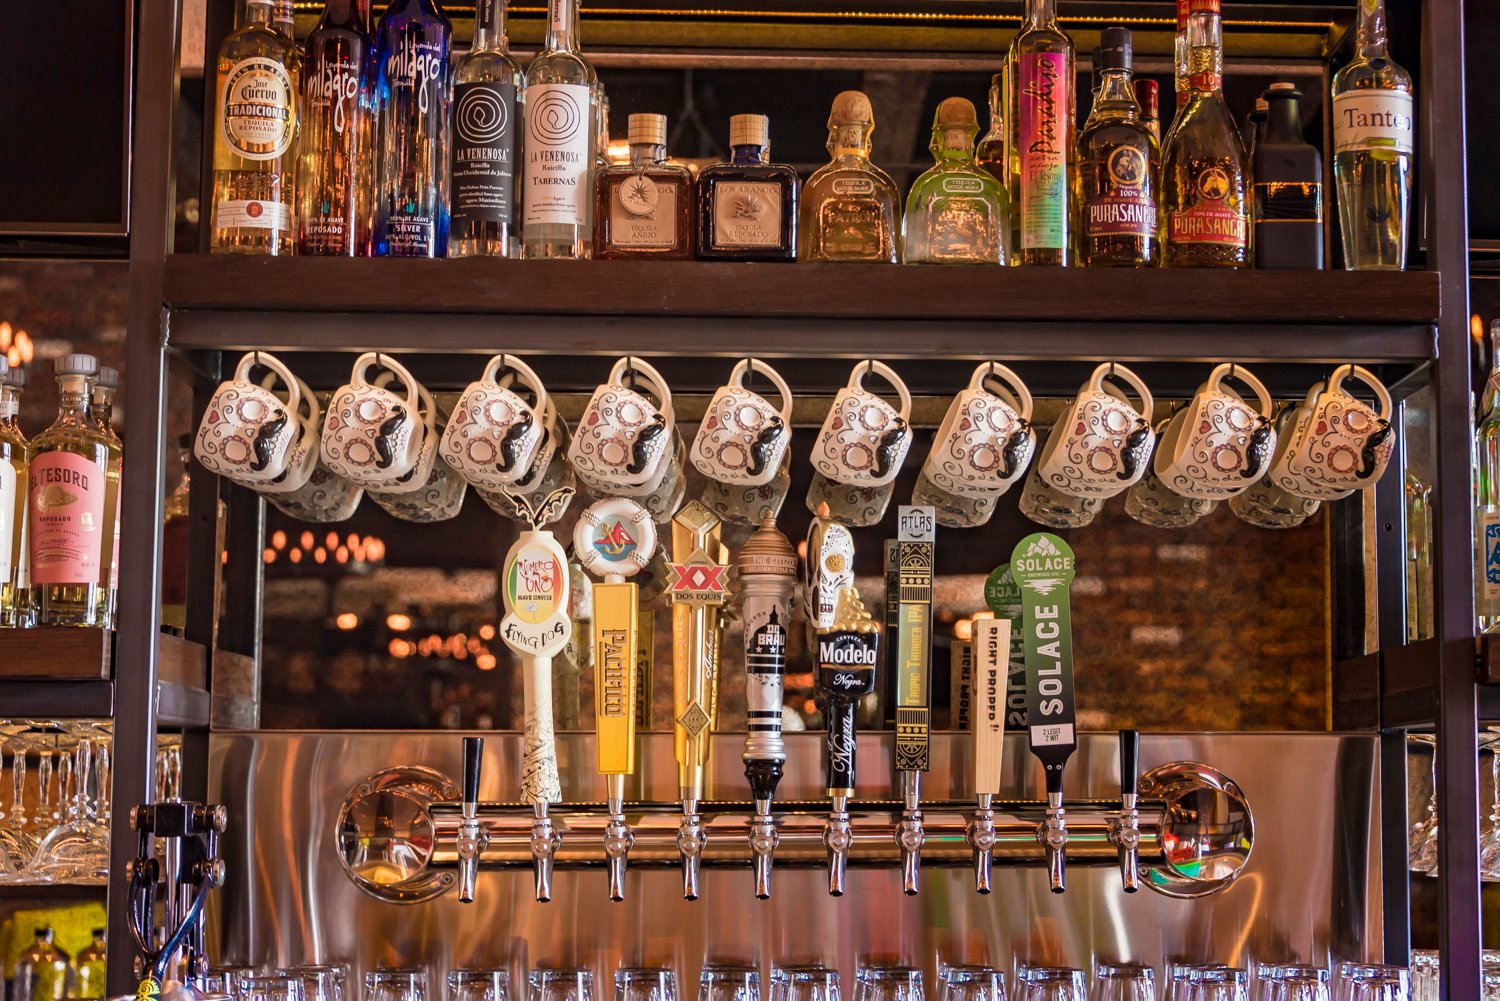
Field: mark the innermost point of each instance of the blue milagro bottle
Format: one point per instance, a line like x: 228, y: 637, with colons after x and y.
x: 414, y: 42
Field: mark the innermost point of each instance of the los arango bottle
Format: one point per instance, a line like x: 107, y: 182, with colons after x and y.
x: 747, y: 208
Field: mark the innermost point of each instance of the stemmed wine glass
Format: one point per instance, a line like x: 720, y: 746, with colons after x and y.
x: 1421, y: 852
x: 77, y: 849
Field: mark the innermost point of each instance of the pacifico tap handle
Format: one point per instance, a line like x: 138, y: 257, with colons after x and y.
x: 472, y: 837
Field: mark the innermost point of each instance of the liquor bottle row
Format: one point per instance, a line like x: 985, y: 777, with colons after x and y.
x: 60, y: 501
x: 383, y: 144
x: 45, y: 972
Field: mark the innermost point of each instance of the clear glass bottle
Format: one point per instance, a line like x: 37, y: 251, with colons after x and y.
x: 1180, y: 70
x: 1118, y: 165
x: 101, y: 414
x: 1255, y: 127
x: 991, y: 153
x: 1042, y: 106
x: 561, y: 116
x: 174, y: 542
x: 851, y: 209
x: 1146, y: 97
x: 255, y: 131
x: 747, y: 208
x: 336, y: 159
x: 487, y: 89
x: 1205, y: 178
x: 645, y: 209
x: 1487, y: 497
x: 42, y: 971
x: 1288, y: 174
x: 12, y: 500
x: 956, y: 212
x: 90, y: 966
x: 414, y: 87
x: 1418, y: 559
x: 1372, y: 149
x: 67, y: 481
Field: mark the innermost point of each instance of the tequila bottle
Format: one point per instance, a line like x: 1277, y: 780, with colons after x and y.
x: 850, y: 207
x: 336, y: 161
x: 1372, y: 149
x: 90, y: 965
x: 1118, y: 166
x: 1146, y: 97
x: 67, y: 483
x: 747, y: 208
x: 256, y: 125
x: 487, y: 86
x: 1041, y: 68
x: 956, y: 211
x: 991, y: 151
x: 414, y: 88
x: 1180, y: 70
x: 561, y: 116
x: 1487, y: 497
x: 1205, y: 178
x: 1288, y: 174
x: 101, y: 414
x: 42, y: 971
x: 645, y: 209
x: 13, y: 611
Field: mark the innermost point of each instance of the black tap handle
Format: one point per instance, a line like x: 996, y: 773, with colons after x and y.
x: 840, y: 745
x: 1130, y: 758
x: 1054, y: 775
x: 473, y: 756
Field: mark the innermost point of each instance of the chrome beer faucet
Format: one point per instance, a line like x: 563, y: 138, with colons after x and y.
x: 472, y: 836
x: 1125, y: 829
x: 847, y: 654
x: 991, y: 654
x: 909, y: 832
x: 1052, y: 833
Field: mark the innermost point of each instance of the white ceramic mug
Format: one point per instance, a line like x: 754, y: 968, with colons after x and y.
x: 372, y: 436
x: 1220, y: 443
x: 623, y: 438
x: 953, y: 510
x: 864, y: 439
x: 742, y: 437
x: 748, y: 505
x: 325, y: 497
x: 1151, y: 503
x: 1102, y: 442
x: 985, y: 441
x: 437, y: 498
x: 432, y: 423
x: 493, y: 434
x: 1341, y: 444
x: 304, y: 456
x: 249, y: 432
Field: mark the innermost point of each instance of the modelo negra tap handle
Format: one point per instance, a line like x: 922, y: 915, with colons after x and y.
x: 847, y: 655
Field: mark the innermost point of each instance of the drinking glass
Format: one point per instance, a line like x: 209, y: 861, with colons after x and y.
x: 570, y: 984
x: 729, y: 983
x: 479, y: 985
x: 890, y: 983
x: 271, y: 987
x: 804, y: 983
x: 1489, y: 845
x: 408, y: 983
x: 1292, y: 982
x: 77, y: 849
x: 1180, y: 976
x: 1424, y: 975
x: 1373, y: 982
x: 1222, y: 984
x: 227, y: 979
x: 1123, y: 982
x: 1049, y: 983
x: 322, y: 982
x: 1421, y: 850
x: 645, y: 984
x: 972, y: 983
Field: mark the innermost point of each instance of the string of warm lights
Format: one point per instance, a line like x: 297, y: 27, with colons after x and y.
x: 16, y: 346
x: 353, y: 550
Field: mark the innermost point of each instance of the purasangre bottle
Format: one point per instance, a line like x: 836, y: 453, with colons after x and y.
x: 561, y: 120
x: 956, y: 211
x: 851, y: 210
x: 487, y: 86
x: 336, y: 147
x: 1118, y: 165
x: 414, y: 87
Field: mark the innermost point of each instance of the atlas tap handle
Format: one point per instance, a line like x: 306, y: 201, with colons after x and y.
x: 1125, y: 829
x: 472, y: 837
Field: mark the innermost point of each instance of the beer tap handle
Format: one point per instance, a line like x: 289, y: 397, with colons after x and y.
x: 1130, y: 757
x: 471, y: 836
x: 991, y: 667
x: 847, y: 654
x: 473, y: 758
x: 1125, y: 830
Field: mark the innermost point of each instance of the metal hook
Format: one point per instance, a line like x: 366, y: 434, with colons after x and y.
x: 629, y: 372
x: 869, y: 367
x: 749, y: 372
x: 1111, y: 372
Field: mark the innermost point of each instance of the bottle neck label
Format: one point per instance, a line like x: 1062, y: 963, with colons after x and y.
x: 258, y: 116
x: 65, y: 511
x: 1372, y: 120
x: 560, y: 22
x: 1045, y: 114
x: 484, y: 149
x: 558, y: 154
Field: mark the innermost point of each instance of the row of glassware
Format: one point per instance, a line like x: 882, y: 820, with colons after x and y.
x: 1350, y: 981
x: 1422, y: 842
x: 383, y: 432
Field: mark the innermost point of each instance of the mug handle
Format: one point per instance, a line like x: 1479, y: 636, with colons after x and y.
x: 294, y: 385
x: 309, y: 399
x: 528, y: 377
x: 1364, y: 375
x: 414, y: 389
x: 1003, y: 376
x: 653, y: 379
x: 1115, y: 370
x: 737, y: 379
x: 880, y: 368
x: 1242, y: 374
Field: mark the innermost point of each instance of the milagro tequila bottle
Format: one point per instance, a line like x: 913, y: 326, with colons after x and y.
x: 336, y: 172
x: 1372, y: 149
x: 415, y: 88
x: 1042, y: 106
x: 1487, y: 497
x: 561, y: 121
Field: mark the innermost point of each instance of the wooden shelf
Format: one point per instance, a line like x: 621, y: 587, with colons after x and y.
x: 1398, y: 688
x: 55, y: 654
x: 56, y: 672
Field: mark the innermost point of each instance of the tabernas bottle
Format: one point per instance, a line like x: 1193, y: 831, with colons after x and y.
x: 1041, y: 68
x: 414, y: 88
x: 561, y: 120
x: 336, y: 173
x: 487, y: 83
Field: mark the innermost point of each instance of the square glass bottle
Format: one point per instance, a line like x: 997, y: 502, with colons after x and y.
x: 957, y: 212
x: 645, y: 208
x: 747, y: 208
x: 851, y: 210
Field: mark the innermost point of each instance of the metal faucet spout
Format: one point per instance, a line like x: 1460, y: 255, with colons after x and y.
x: 910, y: 835
x: 545, y: 841
x: 618, y: 838
x: 838, y: 836
x: 691, y: 839
x: 1052, y: 833
x: 763, y: 841
x: 981, y: 837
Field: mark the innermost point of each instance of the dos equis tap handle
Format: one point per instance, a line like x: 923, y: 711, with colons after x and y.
x: 536, y: 627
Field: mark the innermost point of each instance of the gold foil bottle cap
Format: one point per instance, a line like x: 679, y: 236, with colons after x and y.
x: 852, y: 616
x: 749, y: 130
x: 851, y: 107
x: 767, y: 551
x: 647, y: 130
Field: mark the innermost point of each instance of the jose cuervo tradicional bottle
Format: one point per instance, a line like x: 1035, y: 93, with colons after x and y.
x: 487, y: 84
x: 336, y: 156
x: 415, y: 88
x: 561, y: 119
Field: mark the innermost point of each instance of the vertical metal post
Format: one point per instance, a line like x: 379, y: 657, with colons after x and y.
x: 151, y: 199
x: 1441, y: 118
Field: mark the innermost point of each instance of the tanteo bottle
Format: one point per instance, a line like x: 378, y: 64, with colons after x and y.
x: 1041, y: 73
x: 335, y: 206
x: 67, y: 483
x: 415, y: 88
x: 1117, y: 169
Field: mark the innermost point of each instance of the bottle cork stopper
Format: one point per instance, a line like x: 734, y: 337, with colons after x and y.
x: 1283, y: 85
x: 749, y: 130
x: 647, y: 129
x: 957, y: 113
x: 851, y: 107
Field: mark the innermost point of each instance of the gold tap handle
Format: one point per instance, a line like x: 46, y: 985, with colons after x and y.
x: 615, y: 631
x: 698, y: 587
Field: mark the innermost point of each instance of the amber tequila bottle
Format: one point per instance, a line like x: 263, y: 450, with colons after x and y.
x: 851, y: 210
x: 255, y: 124
x: 1146, y: 97
x: 1205, y: 177
x: 67, y: 482
x: 956, y: 211
x: 645, y: 209
x: 1041, y: 73
x: 1118, y: 165
x: 487, y: 84
x: 336, y: 147
x: 14, y: 611
x: 992, y: 151
x: 747, y: 208
x: 101, y: 413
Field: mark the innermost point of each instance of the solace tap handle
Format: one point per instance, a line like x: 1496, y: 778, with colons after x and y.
x: 472, y: 837
x: 847, y: 655
x: 1125, y: 829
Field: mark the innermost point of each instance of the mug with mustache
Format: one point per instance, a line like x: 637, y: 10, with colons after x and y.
x: 371, y: 435
x: 494, y: 433
x: 743, y: 438
x: 624, y: 438
x: 249, y: 432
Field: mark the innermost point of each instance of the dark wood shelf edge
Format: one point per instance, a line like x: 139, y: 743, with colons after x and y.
x: 1397, y: 688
